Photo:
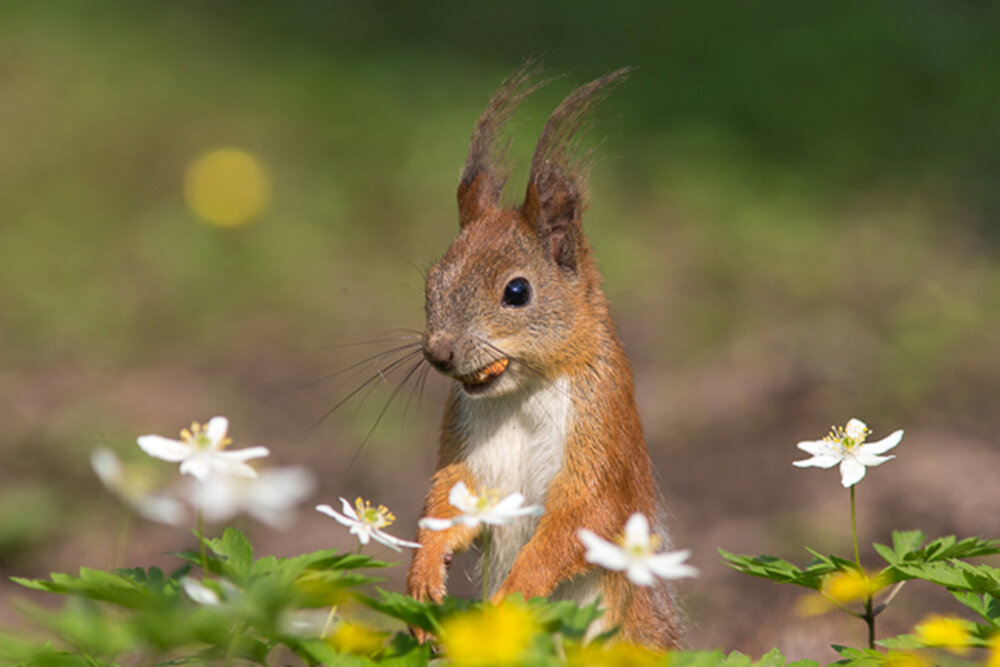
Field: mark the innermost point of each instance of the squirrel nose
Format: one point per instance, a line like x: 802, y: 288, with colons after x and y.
x: 440, y: 352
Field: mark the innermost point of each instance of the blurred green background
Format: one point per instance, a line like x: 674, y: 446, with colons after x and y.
x: 796, y: 208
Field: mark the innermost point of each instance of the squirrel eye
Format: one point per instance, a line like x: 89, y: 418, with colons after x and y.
x: 517, y: 292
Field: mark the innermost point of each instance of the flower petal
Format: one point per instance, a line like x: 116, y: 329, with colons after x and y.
x: 330, y: 512
x: 820, y: 448
x: 107, y: 466
x: 601, y: 552
x: 871, y: 460
x: 164, y: 448
x: 197, y: 466
x: 162, y: 509
x: 392, y: 542
x: 852, y: 471
x: 199, y: 592
x: 508, y: 504
x: 349, y: 509
x: 243, y: 454
x: 883, y: 445
x: 821, y: 461
x: 432, y: 523
x: 363, y: 531
x: 671, y: 565
x: 227, y: 466
x: 638, y: 573
x: 461, y: 497
x: 856, y: 430
x: 637, y: 531
x: 216, y: 430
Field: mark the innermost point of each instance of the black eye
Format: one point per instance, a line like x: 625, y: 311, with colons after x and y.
x: 517, y: 292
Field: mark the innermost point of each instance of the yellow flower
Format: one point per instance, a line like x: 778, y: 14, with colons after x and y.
x: 841, y: 588
x: 851, y: 585
x: 227, y: 187
x: 901, y: 659
x: 994, y: 659
x: 496, y: 635
x: 619, y: 654
x: 356, y: 639
x: 945, y: 631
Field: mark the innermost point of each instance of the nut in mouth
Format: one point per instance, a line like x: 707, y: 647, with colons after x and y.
x: 479, y: 380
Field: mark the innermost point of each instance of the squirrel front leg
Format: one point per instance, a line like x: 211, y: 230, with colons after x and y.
x: 428, y: 570
x: 554, y: 553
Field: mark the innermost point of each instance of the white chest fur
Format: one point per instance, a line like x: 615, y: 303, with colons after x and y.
x: 514, y: 443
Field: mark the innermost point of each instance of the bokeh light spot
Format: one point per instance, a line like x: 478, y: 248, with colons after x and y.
x: 227, y: 187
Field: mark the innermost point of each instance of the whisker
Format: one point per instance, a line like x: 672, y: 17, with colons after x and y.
x: 380, y: 375
x: 374, y: 357
x: 385, y: 408
x: 382, y: 337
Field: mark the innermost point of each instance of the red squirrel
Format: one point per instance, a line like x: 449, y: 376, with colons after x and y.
x: 542, y: 401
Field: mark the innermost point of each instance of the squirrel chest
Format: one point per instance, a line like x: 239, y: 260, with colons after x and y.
x: 515, y: 443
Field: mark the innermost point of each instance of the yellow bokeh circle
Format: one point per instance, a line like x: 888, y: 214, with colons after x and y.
x: 227, y: 187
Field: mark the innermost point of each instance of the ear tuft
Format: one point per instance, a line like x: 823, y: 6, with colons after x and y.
x: 553, y: 204
x: 486, y: 169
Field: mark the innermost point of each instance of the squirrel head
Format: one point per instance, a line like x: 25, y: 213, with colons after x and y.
x: 516, y: 299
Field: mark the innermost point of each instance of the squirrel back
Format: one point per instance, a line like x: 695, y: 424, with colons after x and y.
x: 542, y: 402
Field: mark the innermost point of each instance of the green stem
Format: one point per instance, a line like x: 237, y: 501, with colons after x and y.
x: 854, y: 529
x: 201, y: 542
x: 869, y: 614
x: 329, y: 621
x: 121, y: 540
x: 869, y: 617
x: 238, y: 631
x: 486, y: 562
x: 892, y: 596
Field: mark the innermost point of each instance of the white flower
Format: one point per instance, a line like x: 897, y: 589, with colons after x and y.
x: 132, y: 489
x: 200, y: 593
x: 635, y: 554
x: 307, y: 623
x: 201, y: 450
x: 220, y: 593
x: 367, y: 523
x: 485, y: 508
x: 845, y: 446
x: 269, y: 497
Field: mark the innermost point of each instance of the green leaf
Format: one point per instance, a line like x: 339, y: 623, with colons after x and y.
x: 857, y: 657
x: 776, y: 569
x: 119, y: 588
x: 405, y: 651
x: 236, y: 551
x: 565, y: 617
x: 905, y: 541
x: 696, y: 658
x: 736, y: 659
x: 887, y: 554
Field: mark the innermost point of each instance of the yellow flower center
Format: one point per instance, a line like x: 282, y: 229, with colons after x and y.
x: 637, y: 549
x: 198, y: 438
x: 376, y: 517
x: 487, y: 499
x: 839, y: 435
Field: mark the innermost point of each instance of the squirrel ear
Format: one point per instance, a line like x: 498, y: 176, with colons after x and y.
x: 553, y: 209
x: 477, y: 193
